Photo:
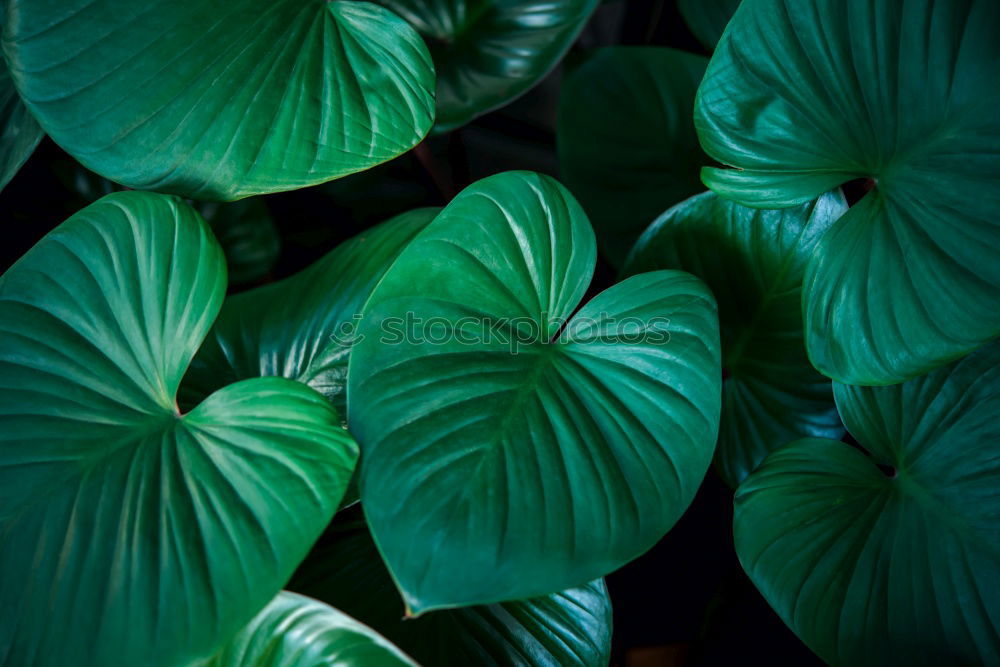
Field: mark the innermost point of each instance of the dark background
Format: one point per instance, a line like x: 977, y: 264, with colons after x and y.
x: 685, y: 602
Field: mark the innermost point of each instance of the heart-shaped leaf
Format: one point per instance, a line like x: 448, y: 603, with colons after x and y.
x: 898, y: 569
x: 131, y: 533
x: 707, y: 19
x: 296, y: 631
x: 486, y: 52
x: 627, y: 145
x: 510, y: 453
x: 19, y: 132
x: 303, y: 327
x: 899, y: 92
x: 753, y: 261
x: 345, y: 570
x: 222, y: 101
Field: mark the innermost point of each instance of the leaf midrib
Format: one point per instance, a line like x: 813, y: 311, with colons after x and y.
x: 158, y: 427
x: 922, y: 495
x: 520, y: 396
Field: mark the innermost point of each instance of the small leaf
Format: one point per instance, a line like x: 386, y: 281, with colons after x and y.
x: 244, y: 228
x: 488, y: 53
x: 132, y: 533
x: 753, y: 261
x: 303, y: 327
x: 247, y: 235
x: 466, y: 397
x: 295, y: 631
x: 572, y: 627
x: 19, y: 132
x: 707, y: 18
x: 901, y: 93
x: 627, y: 145
x: 903, y: 568
x: 219, y: 101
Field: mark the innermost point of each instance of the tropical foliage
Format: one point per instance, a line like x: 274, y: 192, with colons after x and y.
x: 432, y: 442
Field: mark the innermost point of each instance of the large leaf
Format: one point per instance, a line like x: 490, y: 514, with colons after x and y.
x: 898, y: 569
x: 627, y: 145
x: 295, y: 631
x: 707, y: 18
x: 502, y: 469
x: 130, y: 532
x: 19, y: 132
x: 568, y: 628
x: 222, y: 100
x: 487, y: 52
x: 303, y: 327
x: 753, y: 261
x: 901, y: 92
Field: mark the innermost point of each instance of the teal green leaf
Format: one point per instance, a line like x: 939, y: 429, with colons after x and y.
x: 130, y: 532
x: 488, y: 52
x: 19, y: 132
x: 221, y: 101
x: 707, y: 19
x: 627, y: 145
x: 874, y: 569
x: 248, y: 237
x: 296, y: 631
x: 499, y: 468
x: 902, y: 93
x: 572, y: 627
x: 753, y: 261
x: 303, y: 327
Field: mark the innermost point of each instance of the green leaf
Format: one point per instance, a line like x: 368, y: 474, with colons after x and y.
x: 303, y: 327
x: 901, y: 92
x: 222, y: 101
x: 871, y: 569
x: 132, y: 533
x: 499, y: 468
x: 568, y: 628
x: 295, y: 631
x: 247, y: 235
x: 707, y: 19
x: 753, y: 261
x: 19, y: 132
x: 487, y: 53
x: 627, y: 145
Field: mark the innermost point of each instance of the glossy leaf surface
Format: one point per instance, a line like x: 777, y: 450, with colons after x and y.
x: 19, y: 132
x: 461, y: 436
x: 707, y: 19
x: 901, y: 92
x: 753, y: 261
x: 303, y: 327
x: 572, y: 627
x: 627, y: 145
x: 488, y: 52
x: 131, y: 533
x: 873, y: 569
x: 296, y: 631
x: 222, y: 100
